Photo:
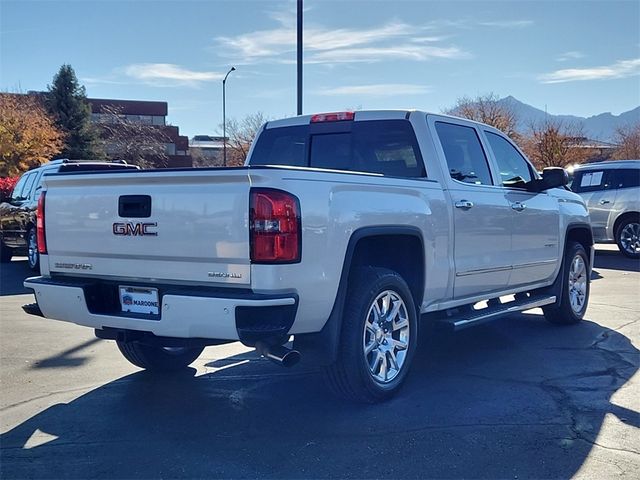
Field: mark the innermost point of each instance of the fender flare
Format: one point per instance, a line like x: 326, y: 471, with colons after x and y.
x: 322, y: 347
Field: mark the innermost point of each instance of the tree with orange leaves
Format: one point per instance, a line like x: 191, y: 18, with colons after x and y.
x: 28, y: 135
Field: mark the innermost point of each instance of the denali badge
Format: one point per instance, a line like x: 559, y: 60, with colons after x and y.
x: 74, y: 266
x: 224, y: 275
x: 130, y: 229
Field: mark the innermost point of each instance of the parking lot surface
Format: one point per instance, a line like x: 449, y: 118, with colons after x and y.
x: 516, y: 398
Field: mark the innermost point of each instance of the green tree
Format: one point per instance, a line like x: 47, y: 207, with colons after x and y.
x: 67, y: 103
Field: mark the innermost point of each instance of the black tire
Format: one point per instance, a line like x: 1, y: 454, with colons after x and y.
x: 158, y: 359
x: 351, y: 376
x: 629, y: 226
x: 5, y: 253
x: 563, y: 313
x: 33, y: 258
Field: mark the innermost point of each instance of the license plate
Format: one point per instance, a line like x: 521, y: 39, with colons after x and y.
x: 139, y: 300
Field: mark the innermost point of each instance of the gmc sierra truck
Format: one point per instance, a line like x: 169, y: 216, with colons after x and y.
x: 343, y: 230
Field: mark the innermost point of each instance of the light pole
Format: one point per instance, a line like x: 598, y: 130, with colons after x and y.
x: 224, y: 118
x: 299, y: 55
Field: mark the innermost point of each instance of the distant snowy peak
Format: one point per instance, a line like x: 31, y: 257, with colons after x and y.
x: 598, y: 127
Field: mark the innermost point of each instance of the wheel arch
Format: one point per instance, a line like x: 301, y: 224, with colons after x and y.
x: 621, y: 218
x: 365, y: 244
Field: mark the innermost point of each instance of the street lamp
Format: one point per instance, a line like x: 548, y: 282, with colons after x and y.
x: 224, y: 117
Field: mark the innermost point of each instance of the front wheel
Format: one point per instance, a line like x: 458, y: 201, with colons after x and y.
x: 379, y: 336
x: 628, y: 237
x: 575, y: 292
x: 159, y: 359
x: 33, y: 256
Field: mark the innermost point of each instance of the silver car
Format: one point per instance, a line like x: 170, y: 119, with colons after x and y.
x: 612, y: 193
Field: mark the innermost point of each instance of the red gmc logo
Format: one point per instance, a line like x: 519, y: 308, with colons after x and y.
x: 130, y: 229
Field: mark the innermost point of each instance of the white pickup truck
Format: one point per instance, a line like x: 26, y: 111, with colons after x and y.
x: 343, y: 230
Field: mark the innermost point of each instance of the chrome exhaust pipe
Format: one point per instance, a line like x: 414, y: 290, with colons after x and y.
x: 279, y: 354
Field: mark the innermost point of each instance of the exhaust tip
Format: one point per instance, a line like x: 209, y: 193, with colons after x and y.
x: 279, y: 354
x: 291, y: 358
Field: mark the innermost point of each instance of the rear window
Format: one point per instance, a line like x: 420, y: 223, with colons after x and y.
x: 387, y: 147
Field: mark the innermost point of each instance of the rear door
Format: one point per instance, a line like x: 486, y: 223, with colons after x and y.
x: 481, y: 213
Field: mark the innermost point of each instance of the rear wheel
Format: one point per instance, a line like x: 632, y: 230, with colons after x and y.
x: 33, y: 257
x: 378, y: 340
x: 575, y: 292
x: 156, y: 358
x: 628, y: 237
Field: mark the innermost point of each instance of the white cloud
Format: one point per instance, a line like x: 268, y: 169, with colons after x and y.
x: 334, y: 45
x: 570, y: 55
x: 377, y: 54
x: 377, y: 90
x: 167, y: 74
x: 620, y: 69
x: 507, y: 23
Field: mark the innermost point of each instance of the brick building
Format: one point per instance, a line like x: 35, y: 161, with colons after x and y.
x: 147, y: 113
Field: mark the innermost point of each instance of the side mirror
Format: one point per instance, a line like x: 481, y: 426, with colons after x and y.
x: 554, y: 177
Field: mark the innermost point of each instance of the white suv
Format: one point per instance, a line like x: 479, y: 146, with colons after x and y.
x: 611, y: 190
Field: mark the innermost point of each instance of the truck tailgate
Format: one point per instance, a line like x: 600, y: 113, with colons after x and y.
x: 196, y: 229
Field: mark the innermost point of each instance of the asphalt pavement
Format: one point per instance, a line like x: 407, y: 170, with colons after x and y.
x: 516, y: 398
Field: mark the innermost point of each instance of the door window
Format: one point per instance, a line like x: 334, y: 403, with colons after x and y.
x: 591, y: 181
x: 626, y: 178
x: 514, y: 169
x: 19, y: 188
x: 464, y: 154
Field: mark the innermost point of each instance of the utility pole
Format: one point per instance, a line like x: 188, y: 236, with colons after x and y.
x: 224, y: 118
x: 299, y: 51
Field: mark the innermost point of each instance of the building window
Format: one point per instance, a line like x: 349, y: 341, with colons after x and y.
x: 158, y: 120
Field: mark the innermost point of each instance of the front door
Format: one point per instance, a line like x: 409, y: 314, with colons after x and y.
x: 535, y: 249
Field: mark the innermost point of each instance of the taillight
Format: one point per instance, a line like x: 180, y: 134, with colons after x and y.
x: 332, y: 117
x: 275, y: 226
x: 42, y: 237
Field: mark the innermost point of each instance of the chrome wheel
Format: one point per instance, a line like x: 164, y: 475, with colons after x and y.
x: 386, y: 336
x: 630, y: 238
x: 577, y: 283
x: 32, y: 249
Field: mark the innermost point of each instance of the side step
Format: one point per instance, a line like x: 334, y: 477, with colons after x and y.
x: 495, y: 310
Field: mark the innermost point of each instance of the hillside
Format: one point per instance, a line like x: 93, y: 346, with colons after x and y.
x: 598, y: 127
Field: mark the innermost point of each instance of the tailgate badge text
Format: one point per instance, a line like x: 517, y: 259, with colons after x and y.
x: 130, y: 229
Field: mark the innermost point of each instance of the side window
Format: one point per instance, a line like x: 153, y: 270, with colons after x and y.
x: 465, y: 158
x: 28, y: 186
x: 514, y: 169
x: 17, y: 190
x: 626, y: 178
x: 591, y: 181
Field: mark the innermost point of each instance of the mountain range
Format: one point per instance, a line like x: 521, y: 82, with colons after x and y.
x: 598, y: 127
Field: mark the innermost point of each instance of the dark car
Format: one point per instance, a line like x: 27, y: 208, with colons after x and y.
x: 18, y: 214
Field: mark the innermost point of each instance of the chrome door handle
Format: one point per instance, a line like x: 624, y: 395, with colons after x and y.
x: 466, y: 204
x: 604, y: 202
x: 518, y: 207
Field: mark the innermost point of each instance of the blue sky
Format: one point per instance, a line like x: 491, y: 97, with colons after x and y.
x: 580, y: 58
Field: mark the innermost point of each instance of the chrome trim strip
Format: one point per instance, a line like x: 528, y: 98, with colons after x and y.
x: 535, y: 264
x: 484, y: 270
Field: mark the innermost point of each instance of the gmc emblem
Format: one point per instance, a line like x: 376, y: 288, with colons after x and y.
x: 130, y: 229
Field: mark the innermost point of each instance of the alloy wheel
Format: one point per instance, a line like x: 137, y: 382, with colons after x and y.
x: 385, y: 338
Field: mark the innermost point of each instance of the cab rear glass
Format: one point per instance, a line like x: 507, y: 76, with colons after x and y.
x: 386, y: 147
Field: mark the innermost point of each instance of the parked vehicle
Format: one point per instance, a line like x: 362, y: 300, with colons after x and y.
x: 343, y: 230
x: 611, y: 191
x: 18, y: 213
